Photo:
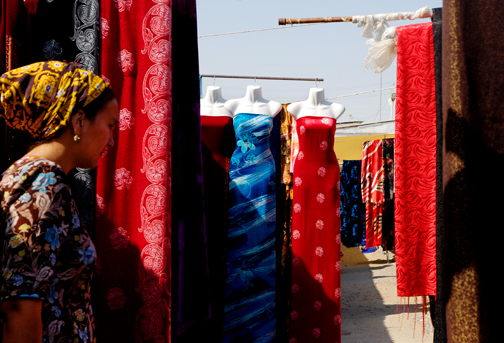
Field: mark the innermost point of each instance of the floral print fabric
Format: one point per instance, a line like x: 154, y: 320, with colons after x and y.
x: 250, y: 296
x: 47, y: 252
x: 286, y: 142
x: 352, y: 208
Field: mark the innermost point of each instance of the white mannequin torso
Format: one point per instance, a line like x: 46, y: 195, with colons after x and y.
x: 316, y: 106
x: 253, y: 102
x: 213, y: 103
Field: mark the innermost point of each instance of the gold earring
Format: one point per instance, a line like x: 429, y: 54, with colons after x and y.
x: 76, y: 138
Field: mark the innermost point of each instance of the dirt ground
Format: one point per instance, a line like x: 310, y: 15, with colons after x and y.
x: 369, y: 302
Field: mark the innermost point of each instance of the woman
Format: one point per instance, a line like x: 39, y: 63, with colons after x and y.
x: 47, y: 254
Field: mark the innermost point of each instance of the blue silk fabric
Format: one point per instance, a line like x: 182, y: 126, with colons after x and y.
x: 250, y: 313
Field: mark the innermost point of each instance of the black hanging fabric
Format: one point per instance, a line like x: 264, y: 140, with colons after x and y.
x: 190, y: 308
x: 437, y: 308
x: 388, y: 219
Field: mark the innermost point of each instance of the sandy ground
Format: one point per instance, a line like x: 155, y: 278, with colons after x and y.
x: 369, y: 302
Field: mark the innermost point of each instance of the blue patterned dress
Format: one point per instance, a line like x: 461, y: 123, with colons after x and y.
x: 249, y: 314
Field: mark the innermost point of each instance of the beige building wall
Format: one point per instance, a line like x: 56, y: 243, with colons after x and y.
x: 350, y: 147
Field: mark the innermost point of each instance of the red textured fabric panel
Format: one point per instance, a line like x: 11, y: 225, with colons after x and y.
x: 415, y: 162
x: 133, y: 229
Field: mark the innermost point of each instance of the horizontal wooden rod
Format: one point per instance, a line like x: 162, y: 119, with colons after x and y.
x: 261, y: 78
x: 289, y: 21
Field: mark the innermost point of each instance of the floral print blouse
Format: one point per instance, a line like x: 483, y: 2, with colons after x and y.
x: 47, y: 253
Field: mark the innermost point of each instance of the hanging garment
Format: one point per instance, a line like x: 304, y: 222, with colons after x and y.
x: 388, y: 168
x: 372, y: 190
x: 294, y: 145
x: 250, y: 313
x: 286, y: 143
x: 415, y: 162
x: 352, y: 207
x: 316, y: 268
x: 388, y: 237
x: 132, y: 290
x: 14, y: 53
x: 473, y: 160
x: 69, y: 31
x: 190, y: 291
x: 66, y: 30
x: 54, y: 31
x: 13, y: 32
x: 218, y: 138
x: 284, y: 224
x: 282, y: 282
x: 437, y: 303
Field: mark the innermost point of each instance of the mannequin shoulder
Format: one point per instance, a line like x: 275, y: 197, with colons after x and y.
x: 337, y: 110
x: 232, y: 105
x: 295, y: 108
x: 214, y: 109
x: 274, y: 107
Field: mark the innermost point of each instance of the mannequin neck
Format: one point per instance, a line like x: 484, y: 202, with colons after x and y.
x: 316, y: 97
x: 213, y: 95
x: 253, y: 94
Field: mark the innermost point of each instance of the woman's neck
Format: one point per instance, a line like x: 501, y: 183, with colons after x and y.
x: 53, y: 151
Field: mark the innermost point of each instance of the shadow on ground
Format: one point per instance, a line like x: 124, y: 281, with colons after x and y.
x: 369, y: 308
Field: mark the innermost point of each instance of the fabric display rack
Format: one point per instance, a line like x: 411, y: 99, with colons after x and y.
x: 223, y: 219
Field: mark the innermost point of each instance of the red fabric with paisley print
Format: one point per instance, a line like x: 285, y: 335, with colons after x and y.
x: 133, y: 226
x: 372, y: 176
x: 316, y: 240
x: 415, y: 162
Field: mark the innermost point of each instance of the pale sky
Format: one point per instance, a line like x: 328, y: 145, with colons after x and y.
x: 334, y: 52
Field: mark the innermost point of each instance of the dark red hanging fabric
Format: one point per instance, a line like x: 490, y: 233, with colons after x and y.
x: 14, y: 53
x: 415, y: 162
x: 372, y: 177
x: 218, y: 137
x: 133, y: 286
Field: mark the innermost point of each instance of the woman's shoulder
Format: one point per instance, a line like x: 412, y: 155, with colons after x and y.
x: 30, y: 173
x: 32, y: 165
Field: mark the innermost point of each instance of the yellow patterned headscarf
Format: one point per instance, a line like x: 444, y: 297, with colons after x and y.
x: 41, y: 97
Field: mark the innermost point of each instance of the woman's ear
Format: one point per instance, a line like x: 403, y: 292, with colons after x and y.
x: 78, y: 121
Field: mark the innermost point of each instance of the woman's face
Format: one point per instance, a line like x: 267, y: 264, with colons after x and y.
x: 98, y: 135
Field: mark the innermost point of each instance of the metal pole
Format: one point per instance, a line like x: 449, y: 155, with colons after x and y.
x: 263, y: 78
x: 401, y: 16
x: 289, y: 21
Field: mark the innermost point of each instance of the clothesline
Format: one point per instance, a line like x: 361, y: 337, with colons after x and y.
x: 256, y: 30
x: 262, y: 78
x: 365, y: 92
x: 315, y: 21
